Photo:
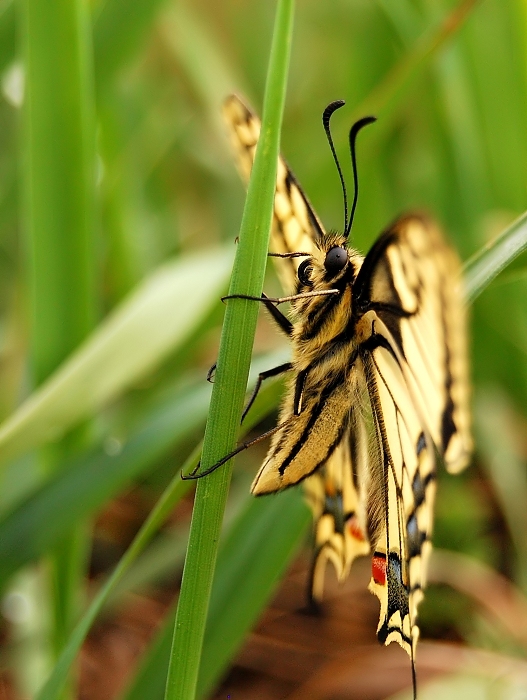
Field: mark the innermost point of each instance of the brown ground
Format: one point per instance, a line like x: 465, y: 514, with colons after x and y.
x: 291, y: 654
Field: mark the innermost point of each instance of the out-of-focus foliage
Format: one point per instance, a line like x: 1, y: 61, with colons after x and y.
x: 160, y: 216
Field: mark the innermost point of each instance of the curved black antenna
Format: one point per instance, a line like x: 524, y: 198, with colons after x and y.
x: 326, y: 117
x: 352, y: 139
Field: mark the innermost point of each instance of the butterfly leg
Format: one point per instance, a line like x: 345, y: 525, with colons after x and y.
x: 282, y: 300
x: 281, y: 321
x: 274, y: 372
x: 211, y: 373
x: 278, y: 317
x: 243, y: 446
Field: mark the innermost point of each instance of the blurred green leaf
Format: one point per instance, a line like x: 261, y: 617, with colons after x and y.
x: 151, y: 322
x: 387, y: 95
x: 499, y: 439
x: 58, y: 180
x: 87, y: 482
x: 485, y: 265
x: 209, y: 72
x: 119, y: 30
x: 7, y: 33
x: 59, y: 225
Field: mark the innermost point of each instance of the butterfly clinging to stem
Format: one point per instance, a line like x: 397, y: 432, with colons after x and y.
x: 378, y: 384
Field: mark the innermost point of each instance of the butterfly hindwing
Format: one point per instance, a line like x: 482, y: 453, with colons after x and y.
x: 409, y: 288
x: 338, y: 505
x: 402, y: 490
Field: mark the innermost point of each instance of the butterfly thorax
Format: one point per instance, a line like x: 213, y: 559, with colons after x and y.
x: 324, y: 325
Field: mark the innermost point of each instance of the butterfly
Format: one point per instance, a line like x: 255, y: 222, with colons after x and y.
x: 378, y: 387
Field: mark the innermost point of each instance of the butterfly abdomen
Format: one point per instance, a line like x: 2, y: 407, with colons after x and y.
x: 307, y: 439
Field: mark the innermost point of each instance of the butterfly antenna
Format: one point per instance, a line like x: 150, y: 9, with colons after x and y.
x: 326, y: 117
x: 353, y: 138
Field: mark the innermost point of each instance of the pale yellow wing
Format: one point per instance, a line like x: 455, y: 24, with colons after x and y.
x: 295, y: 225
x: 412, y: 278
x: 401, y: 491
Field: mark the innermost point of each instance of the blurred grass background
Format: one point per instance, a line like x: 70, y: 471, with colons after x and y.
x: 119, y: 206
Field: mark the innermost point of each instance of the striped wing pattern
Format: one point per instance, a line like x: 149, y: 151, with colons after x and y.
x: 413, y: 280
x: 402, y: 491
x: 391, y: 394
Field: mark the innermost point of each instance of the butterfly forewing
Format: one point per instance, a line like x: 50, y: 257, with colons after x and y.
x: 380, y: 387
x: 296, y: 227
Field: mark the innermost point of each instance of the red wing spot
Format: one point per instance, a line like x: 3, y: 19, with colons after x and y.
x: 331, y: 491
x: 354, y: 528
x: 378, y: 568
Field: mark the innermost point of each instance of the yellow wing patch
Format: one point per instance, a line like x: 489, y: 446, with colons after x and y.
x: 413, y: 279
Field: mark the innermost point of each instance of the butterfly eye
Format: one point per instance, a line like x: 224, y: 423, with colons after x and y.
x: 336, y: 259
x: 304, y: 269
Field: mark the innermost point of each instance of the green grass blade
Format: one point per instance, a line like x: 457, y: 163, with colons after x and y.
x: 231, y: 377
x: 58, y: 179
x: 251, y: 562
x: 487, y: 263
x: 128, y: 344
x: 58, y: 195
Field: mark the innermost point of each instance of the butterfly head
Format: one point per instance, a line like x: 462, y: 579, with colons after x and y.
x: 332, y: 264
